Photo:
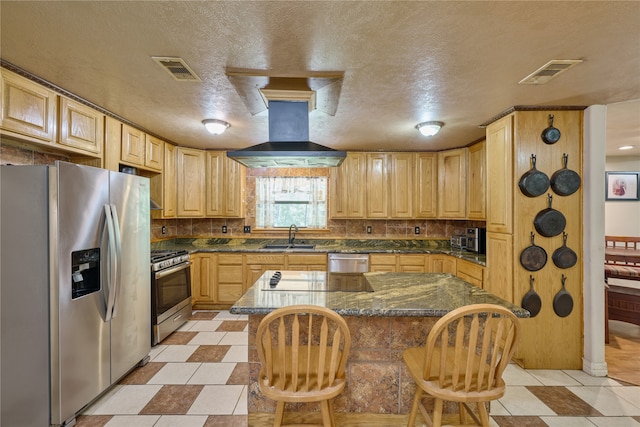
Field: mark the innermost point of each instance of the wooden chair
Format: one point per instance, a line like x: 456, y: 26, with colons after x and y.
x: 303, y: 351
x: 463, y: 360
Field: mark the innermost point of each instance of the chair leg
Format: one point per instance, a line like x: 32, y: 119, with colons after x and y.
x: 277, y: 420
x: 327, y: 420
x: 414, y: 408
x: 484, y: 416
x: 463, y: 413
x: 437, y: 413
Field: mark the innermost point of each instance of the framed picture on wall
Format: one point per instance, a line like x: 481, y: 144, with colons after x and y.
x: 622, y: 186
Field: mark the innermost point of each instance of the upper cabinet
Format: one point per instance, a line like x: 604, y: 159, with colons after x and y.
x: 140, y: 149
x: 401, y: 172
x: 452, y: 183
x: 426, y: 185
x: 190, y: 182
x: 377, y: 185
x: 499, y: 147
x: 225, y: 185
x: 476, y: 181
x: 347, y: 187
x: 154, y: 153
x: 81, y: 128
x: 169, y: 182
x: 28, y: 109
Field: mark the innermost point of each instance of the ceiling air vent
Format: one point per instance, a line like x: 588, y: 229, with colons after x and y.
x: 178, y: 69
x: 548, y: 71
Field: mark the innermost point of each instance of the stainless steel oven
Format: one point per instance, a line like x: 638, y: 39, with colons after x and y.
x: 170, y: 292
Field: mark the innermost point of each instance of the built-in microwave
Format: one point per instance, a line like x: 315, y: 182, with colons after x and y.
x: 477, y: 240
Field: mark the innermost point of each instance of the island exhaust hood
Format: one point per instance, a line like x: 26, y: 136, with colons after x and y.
x: 288, y: 145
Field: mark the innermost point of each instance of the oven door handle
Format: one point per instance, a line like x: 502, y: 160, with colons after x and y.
x: 165, y: 273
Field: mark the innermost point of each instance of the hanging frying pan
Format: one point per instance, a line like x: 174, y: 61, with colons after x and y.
x: 531, y: 300
x: 533, y: 257
x: 565, y: 182
x: 564, y: 257
x: 550, y: 135
x: 549, y: 222
x: 533, y: 183
x: 563, y: 302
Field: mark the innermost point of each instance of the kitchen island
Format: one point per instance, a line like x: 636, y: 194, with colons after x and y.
x: 397, y: 314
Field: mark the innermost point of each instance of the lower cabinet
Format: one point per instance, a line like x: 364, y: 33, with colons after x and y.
x: 229, y: 282
x: 440, y: 263
x: 256, y: 264
x: 382, y: 263
x: 203, y: 267
x: 470, y: 272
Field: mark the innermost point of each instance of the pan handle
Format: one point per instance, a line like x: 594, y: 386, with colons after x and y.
x: 550, y: 198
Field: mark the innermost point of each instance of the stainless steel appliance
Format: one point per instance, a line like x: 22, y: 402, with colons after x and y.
x: 75, y: 307
x: 458, y: 241
x: 170, y: 292
x: 348, y: 263
x: 477, y: 240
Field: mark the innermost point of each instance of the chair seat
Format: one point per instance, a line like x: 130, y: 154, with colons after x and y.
x: 414, y: 358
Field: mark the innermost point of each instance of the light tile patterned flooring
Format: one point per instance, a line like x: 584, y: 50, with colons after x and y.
x: 197, y: 378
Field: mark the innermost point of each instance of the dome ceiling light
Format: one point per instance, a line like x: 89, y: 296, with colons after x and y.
x: 215, y: 126
x: 429, y: 128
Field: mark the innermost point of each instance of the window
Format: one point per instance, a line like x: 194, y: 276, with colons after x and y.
x: 282, y: 201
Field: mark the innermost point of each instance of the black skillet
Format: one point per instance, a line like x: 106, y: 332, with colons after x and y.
x: 565, y: 182
x: 533, y: 183
x: 550, y: 135
x: 549, y: 222
x: 563, y: 301
x: 531, y: 300
x: 533, y: 257
x: 564, y: 256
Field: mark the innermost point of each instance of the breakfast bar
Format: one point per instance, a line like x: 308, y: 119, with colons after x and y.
x: 386, y: 313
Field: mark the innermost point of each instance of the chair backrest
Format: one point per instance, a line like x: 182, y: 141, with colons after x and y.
x: 303, y: 348
x: 472, y: 346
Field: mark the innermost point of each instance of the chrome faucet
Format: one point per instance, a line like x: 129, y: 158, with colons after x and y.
x: 292, y: 236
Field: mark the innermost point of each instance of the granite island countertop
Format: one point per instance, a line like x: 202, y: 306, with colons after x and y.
x: 394, y: 295
x: 398, y: 246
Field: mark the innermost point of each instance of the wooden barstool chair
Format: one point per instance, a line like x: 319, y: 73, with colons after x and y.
x: 463, y: 360
x: 303, y: 351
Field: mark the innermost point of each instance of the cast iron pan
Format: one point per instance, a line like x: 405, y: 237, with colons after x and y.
x: 549, y: 222
x: 564, y: 257
x: 533, y: 257
x: 533, y: 183
x: 563, y: 302
x: 565, y: 182
x: 550, y: 135
x: 531, y: 300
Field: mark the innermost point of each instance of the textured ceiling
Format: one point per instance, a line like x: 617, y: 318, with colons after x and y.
x: 402, y: 63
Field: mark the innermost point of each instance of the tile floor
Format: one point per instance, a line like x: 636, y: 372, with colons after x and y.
x: 197, y: 376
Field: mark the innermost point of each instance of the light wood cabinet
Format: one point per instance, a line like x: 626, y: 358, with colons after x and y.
x: 132, y: 151
x: 28, y: 109
x: 426, y: 187
x: 190, y: 182
x: 377, y: 186
x: 452, y: 182
x: 441, y: 263
x: 203, y: 271
x: 476, y: 181
x: 470, y: 272
x: 382, y: 263
x: 154, y: 153
x: 225, y: 184
x: 401, y: 174
x: 500, y: 265
x: 348, y: 188
x: 229, y: 278
x: 306, y: 262
x: 81, y: 128
x: 413, y: 263
x: 164, y: 186
x: 256, y: 264
x: 500, y: 180
x: 112, y: 143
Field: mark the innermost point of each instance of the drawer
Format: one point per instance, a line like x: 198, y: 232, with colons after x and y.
x: 382, y: 259
x: 412, y: 259
x: 307, y: 258
x: 229, y: 259
x: 264, y: 259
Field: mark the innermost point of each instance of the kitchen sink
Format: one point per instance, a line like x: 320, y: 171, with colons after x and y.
x: 294, y: 246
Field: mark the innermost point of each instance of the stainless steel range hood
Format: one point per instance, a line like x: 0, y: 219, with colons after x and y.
x: 288, y: 145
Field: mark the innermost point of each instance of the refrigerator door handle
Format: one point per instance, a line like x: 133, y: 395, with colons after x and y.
x: 111, y: 263
x: 118, y: 262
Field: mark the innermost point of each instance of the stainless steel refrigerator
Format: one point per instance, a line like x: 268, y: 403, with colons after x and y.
x: 74, y: 287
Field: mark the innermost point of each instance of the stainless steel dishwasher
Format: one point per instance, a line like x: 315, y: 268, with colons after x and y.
x: 348, y: 263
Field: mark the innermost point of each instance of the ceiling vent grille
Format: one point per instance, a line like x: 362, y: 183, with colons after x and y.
x: 177, y: 68
x: 548, y: 71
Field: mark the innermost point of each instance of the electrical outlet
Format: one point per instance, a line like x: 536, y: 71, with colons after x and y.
x: 368, y: 229
x: 416, y: 230
x: 164, y: 229
x: 224, y: 228
x: 247, y: 229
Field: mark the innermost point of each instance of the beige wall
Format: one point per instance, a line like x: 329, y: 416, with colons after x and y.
x: 622, y: 218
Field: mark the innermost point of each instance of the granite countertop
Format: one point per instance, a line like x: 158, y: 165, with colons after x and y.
x: 394, y: 295
x: 321, y: 246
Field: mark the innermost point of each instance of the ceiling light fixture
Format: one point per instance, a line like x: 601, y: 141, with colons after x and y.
x: 429, y: 128
x: 626, y: 147
x: 215, y: 126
